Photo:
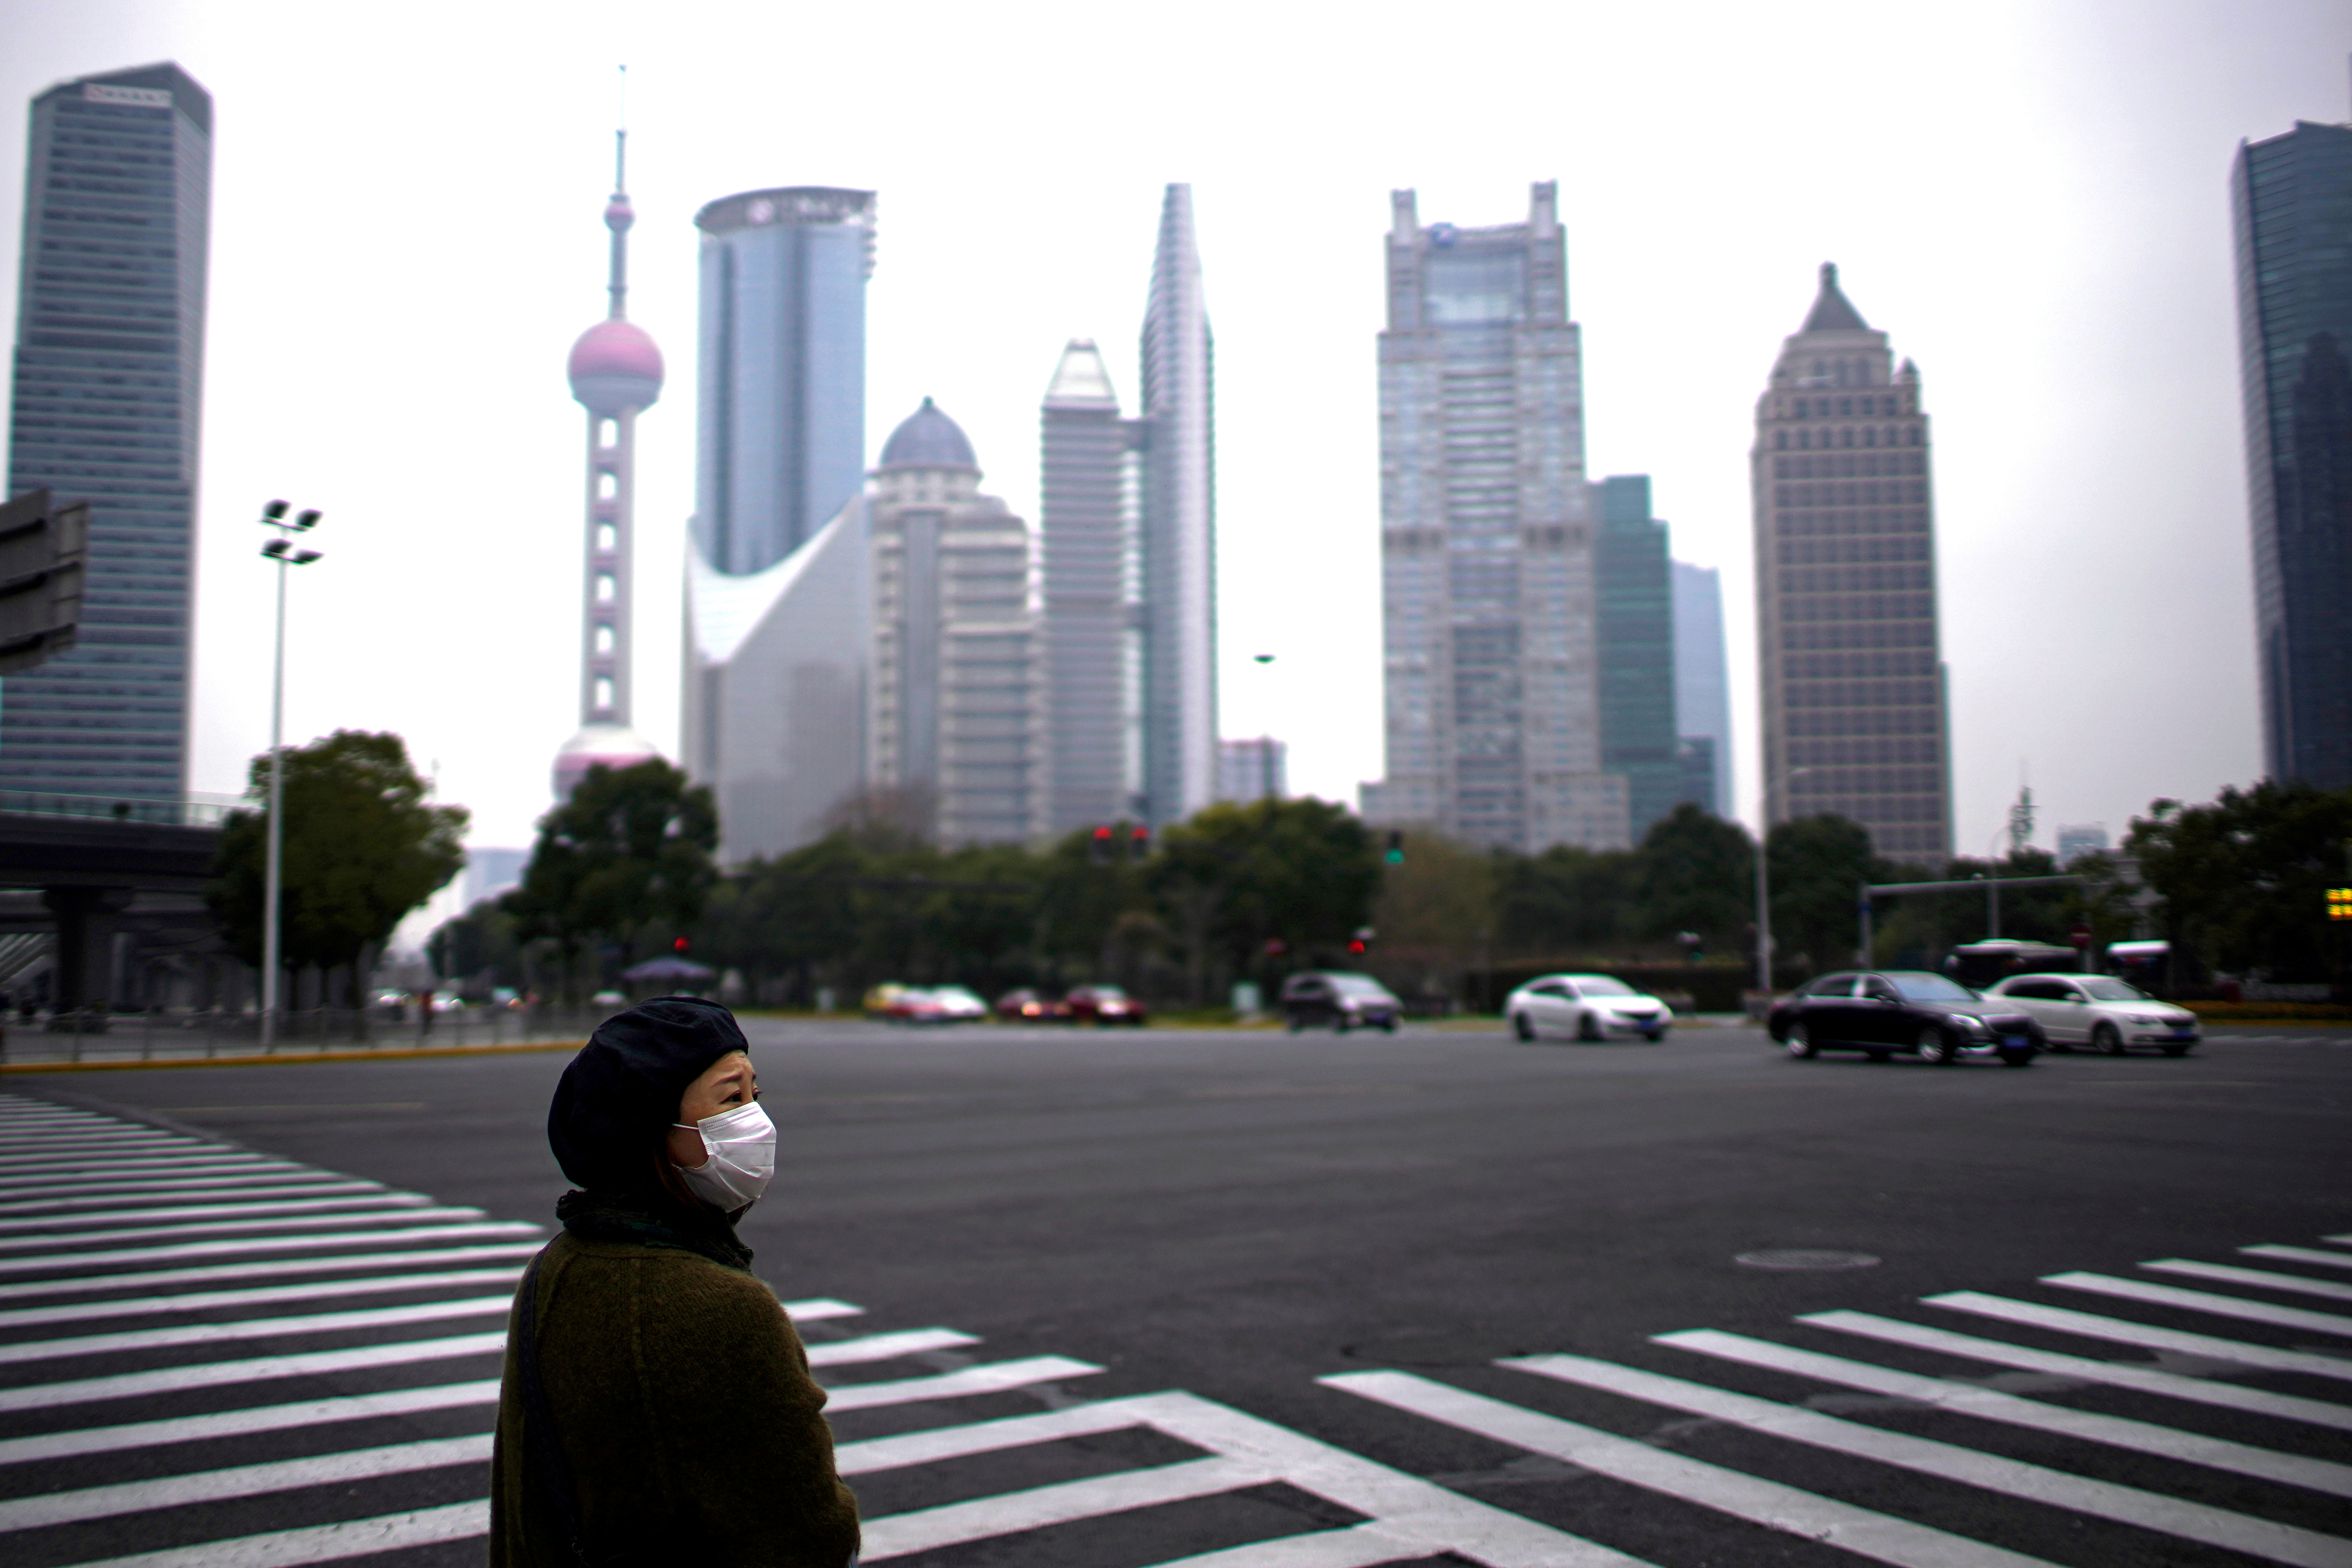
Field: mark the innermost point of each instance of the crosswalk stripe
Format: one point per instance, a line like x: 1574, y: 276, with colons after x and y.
x: 253, y: 1329
x: 2141, y: 1436
x: 259, y: 1369
x: 442, y: 1232
x: 1355, y: 1546
x: 2146, y: 1336
x: 66, y: 1207
x: 991, y: 1377
x: 817, y: 1307
x: 1880, y: 1537
x: 883, y: 1347
x: 243, y: 1480
x: 251, y: 1419
x: 934, y: 1444
x: 85, y: 1284
x: 2204, y: 1301
x: 94, y: 1143
x: 2339, y: 1240
x: 1950, y: 1461
x: 2261, y: 1278
x: 159, y: 1188
x: 2301, y: 1255
x: 2147, y: 1380
x: 927, y: 1530
x: 202, y: 1301
x: 183, y: 1214
x: 323, y: 1542
x: 224, y: 1160
x: 244, y: 1226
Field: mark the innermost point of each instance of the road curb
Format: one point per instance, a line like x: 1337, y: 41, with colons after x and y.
x: 403, y: 1053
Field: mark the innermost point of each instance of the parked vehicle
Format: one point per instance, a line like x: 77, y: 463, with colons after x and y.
x: 1345, y: 1000
x: 897, y: 1004
x: 1030, y: 1005
x: 2104, y: 1014
x: 1585, y: 1007
x: 1904, y: 1010
x: 1102, y: 1004
x: 957, y: 1005
x: 1978, y: 964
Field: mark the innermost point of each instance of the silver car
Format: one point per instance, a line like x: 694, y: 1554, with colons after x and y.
x: 2100, y: 1013
x: 1587, y: 1006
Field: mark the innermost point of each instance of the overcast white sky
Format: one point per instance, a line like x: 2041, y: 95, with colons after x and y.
x: 2032, y: 199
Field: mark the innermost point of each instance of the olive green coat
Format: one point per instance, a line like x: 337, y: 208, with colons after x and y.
x: 682, y: 1401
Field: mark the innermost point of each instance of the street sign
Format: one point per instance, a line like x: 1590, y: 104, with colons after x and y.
x: 42, y: 551
x: 2080, y: 936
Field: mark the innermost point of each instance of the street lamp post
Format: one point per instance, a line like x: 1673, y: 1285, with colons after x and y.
x: 281, y: 550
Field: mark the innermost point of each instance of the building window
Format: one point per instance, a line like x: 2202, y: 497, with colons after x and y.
x: 605, y: 639
x: 608, y: 538
x: 604, y: 694
x: 1780, y: 440
x: 608, y: 432
x: 608, y: 485
x: 604, y: 587
x: 1911, y: 437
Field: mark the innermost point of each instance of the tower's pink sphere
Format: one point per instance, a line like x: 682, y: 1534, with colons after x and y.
x: 615, y: 365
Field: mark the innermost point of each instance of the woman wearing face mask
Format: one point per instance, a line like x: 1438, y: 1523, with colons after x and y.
x: 657, y: 1406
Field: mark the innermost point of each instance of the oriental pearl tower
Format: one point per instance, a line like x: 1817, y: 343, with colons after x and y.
x: 616, y: 371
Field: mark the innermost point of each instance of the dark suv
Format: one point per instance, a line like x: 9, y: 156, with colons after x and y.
x: 1340, y: 999
x: 1937, y: 1019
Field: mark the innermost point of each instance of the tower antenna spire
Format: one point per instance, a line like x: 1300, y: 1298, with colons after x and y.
x: 618, y: 215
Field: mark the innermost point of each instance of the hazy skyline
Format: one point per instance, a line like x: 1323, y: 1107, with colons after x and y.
x: 2031, y: 202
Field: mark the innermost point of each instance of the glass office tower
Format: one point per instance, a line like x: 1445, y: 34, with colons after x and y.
x: 1853, y: 673
x: 1637, y: 651
x: 2290, y: 202
x: 1702, y: 688
x: 1494, y: 720
x: 109, y: 388
x: 781, y: 428
x: 1092, y: 588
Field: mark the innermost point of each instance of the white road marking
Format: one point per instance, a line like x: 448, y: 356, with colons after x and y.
x: 2147, y: 1337
x: 88, y: 1283
x: 927, y: 1530
x: 818, y: 1309
x: 2204, y: 1301
x: 259, y: 1204
x: 2261, y: 1278
x: 1880, y: 1537
x: 2147, y: 1380
x: 2141, y: 1437
x: 883, y: 1347
x: 214, y: 1375
x: 253, y: 1329
x: 222, y: 1161
x: 252, y: 1419
x: 35, y: 1152
x: 323, y: 1542
x: 1359, y: 1546
x: 206, y: 1192
x: 444, y: 1232
x: 232, y: 1180
x: 243, y: 1480
x: 1950, y: 1461
x: 244, y: 1227
x: 2301, y: 1255
x: 991, y: 1377
x: 199, y: 1300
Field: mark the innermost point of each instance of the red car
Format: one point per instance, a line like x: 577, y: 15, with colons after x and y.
x: 1103, y: 1005
x: 1028, y: 1005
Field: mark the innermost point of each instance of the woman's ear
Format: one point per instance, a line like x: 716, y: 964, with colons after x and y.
x: 671, y: 1183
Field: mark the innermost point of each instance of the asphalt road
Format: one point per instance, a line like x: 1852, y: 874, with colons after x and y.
x: 1237, y: 1215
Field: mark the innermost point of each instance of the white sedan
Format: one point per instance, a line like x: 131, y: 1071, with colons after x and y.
x: 2104, y: 1014
x: 1585, y: 1007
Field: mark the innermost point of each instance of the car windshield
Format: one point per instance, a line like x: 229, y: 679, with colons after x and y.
x: 1356, y: 986
x: 1601, y: 985
x: 1923, y: 987
x: 2115, y: 990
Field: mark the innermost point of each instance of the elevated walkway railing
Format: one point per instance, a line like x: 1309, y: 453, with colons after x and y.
x: 192, y: 810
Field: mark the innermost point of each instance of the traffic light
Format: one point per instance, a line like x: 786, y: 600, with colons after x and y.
x: 1396, y: 848
x: 680, y: 945
x: 1099, y: 851
x: 1362, y: 943
x: 2339, y: 903
x: 1139, y: 842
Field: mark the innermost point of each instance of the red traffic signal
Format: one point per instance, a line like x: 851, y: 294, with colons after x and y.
x: 1099, y: 849
x: 1139, y: 842
x: 1355, y: 946
x: 680, y: 945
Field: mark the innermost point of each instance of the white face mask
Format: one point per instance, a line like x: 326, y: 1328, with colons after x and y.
x: 741, y: 1149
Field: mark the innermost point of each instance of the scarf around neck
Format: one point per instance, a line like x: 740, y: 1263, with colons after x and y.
x: 654, y: 1220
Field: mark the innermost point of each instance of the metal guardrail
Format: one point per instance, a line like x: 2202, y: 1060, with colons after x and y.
x: 169, y: 811
x: 179, y: 1037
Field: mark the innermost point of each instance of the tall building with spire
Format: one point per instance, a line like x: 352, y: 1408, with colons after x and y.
x: 1854, y: 712
x: 109, y: 392
x: 616, y: 373
x: 1179, y: 518
x: 1490, y: 620
x: 2291, y: 204
x: 1092, y: 587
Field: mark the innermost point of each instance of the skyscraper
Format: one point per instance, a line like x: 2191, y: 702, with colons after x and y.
x: 616, y: 373
x: 956, y: 722
x: 1854, y: 704
x: 2291, y: 203
x: 1093, y: 583
x: 1487, y: 550
x: 1637, y: 618
x: 1256, y: 768
x: 780, y: 429
x: 1179, y: 528
x: 1702, y: 687
x: 108, y: 389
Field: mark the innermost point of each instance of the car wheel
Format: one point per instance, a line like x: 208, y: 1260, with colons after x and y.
x: 1878, y: 1056
x: 2106, y: 1037
x: 1935, y: 1048
x: 1522, y: 1029
x: 1586, y: 1030
x: 1799, y: 1043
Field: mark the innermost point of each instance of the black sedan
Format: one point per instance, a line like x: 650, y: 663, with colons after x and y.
x: 1903, y: 1010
